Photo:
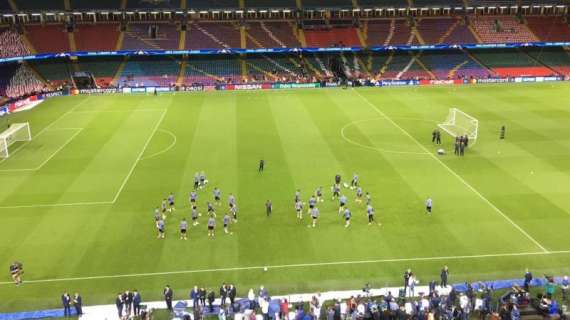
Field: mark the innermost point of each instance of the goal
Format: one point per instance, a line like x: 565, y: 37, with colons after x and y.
x: 16, y: 132
x: 459, y: 123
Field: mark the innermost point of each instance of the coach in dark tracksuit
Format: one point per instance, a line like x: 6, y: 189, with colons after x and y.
x: 232, y: 293
x: 444, y: 275
x: 168, y: 294
x: 119, y: 303
x: 223, y: 294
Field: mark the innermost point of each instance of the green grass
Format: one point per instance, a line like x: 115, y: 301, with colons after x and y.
x: 90, y: 152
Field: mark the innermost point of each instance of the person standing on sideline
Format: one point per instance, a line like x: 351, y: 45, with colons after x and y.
x: 195, y: 297
x: 211, y: 298
x: 261, y: 166
x: 128, y: 302
x: 232, y: 293
x: 223, y: 294
x: 433, y: 135
x: 136, y: 302
x: 407, y: 275
x: 119, y: 303
x: 444, y: 275
x: 527, y: 280
x: 66, y: 302
x: 168, y: 294
x: 77, y: 303
x: 268, y: 207
x: 437, y: 137
x: 429, y: 203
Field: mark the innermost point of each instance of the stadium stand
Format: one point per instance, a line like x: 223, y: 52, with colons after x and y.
x: 557, y: 59
x: 273, y: 68
x: 6, y: 73
x: 39, y: 4
x: 161, y: 4
x: 48, y: 38
x: 460, y: 34
x: 103, y: 69
x: 206, y: 4
x: 400, y: 33
x: 99, y: 4
x: 12, y: 44
x: 23, y: 82
x: 452, y: 64
x: 439, y: 3
x: 211, y: 70
x: 151, y: 36
x: 149, y: 71
x: 433, y: 30
x: 328, y: 3
x: 549, y: 28
x: 270, y: 3
x: 378, y: 31
x: 5, y: 6
x: 375, y: 62
x: 335, y: 37
x: 384, y: 4
x: 212, y: 36
x: 396, y: 66
x: 502, y: 30
x: 509, y: 63
x: 271, y: 35
x: 318, y: 65
x: 56, y: 72
x: 100, y: 37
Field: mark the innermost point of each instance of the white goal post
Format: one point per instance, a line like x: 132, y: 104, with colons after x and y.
x: 459, y: 123
x: 16, y: 132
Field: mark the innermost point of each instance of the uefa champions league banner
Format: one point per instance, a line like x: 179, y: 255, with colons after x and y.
x: 237, y: 51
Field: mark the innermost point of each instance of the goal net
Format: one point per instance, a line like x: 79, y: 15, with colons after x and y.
x: 459, y: 123
x: 16, y: 132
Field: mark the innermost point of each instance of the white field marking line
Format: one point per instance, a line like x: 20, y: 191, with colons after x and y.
x: 49, y: 158
x: 381, y: 150
x: 296, y: 265
x: 139, y: 156
x: 164, y: 150
x: 469, y: 186
x: 48, y: 205
x: 113, y: 111
x: 47, y: 127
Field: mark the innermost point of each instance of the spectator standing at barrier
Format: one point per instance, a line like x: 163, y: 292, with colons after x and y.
x: 136, y: 302
x: 195, y: 297
x: 223, y: 294
x: 549, y: 287
x: 128, y: 302
x: 66, y: 302
x: 407, y: 275
x: 444, y: 275
x: 232, y: 292
x: 119, y: 304
x: 168, y: 294
x: 78, y: 303
x: 527, y: 280
x: 202, y: 296
x: 211, y: 298
x: 251, y: 299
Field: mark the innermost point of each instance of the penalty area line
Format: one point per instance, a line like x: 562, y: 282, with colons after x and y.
x: 293, y: 266
x: 451, y: 171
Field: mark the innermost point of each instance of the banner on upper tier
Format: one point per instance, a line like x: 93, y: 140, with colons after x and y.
x: 238, y: 51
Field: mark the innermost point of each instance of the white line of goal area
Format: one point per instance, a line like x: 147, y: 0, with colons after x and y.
x: 46, y: 128
x: 78, y: 130
x: 451, y: 171
x: 294, y: 266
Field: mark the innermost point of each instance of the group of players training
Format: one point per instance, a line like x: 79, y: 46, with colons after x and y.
x: 343, y: 209
x: 167, y: 208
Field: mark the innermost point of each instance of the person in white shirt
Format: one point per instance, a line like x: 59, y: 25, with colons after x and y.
x: 429, y: 203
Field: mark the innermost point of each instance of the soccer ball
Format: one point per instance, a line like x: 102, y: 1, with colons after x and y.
x: 264, y: 268
x: 440, y: 151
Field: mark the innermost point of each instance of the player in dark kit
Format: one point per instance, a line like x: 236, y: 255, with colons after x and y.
x: 268, y: 207
x: 261, y: 165
x: 16, y: 272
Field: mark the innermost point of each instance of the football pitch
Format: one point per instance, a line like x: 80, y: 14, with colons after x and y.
x: 77, y: 202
